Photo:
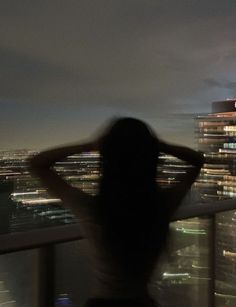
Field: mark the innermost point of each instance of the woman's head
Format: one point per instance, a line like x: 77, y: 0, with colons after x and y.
x: 129, y: 152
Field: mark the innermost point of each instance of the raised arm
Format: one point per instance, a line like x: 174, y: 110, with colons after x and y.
x: 184, y: 181
x: 42, y: 166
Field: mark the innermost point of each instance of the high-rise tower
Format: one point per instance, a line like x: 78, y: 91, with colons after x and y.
x: 216, y: 137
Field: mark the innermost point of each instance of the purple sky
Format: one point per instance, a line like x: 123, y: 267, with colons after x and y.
x: 66, y: 66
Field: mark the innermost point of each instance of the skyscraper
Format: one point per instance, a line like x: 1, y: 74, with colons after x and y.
x: 216, y: 136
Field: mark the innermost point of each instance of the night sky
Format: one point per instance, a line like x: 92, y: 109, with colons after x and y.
x: 66, y: 66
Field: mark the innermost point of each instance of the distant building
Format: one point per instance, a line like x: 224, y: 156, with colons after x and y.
x: 216, y: 136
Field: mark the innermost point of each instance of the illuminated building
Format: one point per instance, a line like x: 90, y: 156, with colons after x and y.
x: 81, y: 171
x: 169, y: 168
x: 34, y: 206
x: 216, y: 136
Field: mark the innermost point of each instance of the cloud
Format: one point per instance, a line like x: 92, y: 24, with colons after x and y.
x: 211, y: 82
x: 26, y: 77
x: 230, y: 85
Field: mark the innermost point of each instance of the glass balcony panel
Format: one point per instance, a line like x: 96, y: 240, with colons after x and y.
x: 73, y: 275
x: 225, y: 259
x: 184, y: 271
x: 19, y: 279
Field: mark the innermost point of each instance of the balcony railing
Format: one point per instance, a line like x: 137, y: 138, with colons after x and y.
x: 197, y: 269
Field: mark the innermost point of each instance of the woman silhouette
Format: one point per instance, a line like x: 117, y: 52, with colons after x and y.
x: 126, y: 224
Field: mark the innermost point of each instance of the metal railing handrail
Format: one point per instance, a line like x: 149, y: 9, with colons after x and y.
x: 204, y: 209
x: 37, y: 238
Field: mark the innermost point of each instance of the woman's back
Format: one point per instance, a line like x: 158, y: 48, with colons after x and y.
x: 125, y: 243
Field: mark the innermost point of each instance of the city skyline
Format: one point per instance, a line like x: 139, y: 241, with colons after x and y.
x: 67, y: 67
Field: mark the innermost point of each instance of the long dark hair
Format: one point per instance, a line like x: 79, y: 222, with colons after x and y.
x: 129, y: 157
x: 130, y: 204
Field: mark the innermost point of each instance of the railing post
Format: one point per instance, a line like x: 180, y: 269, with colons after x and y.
x: 46, y: 276
x: 212, y: 260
